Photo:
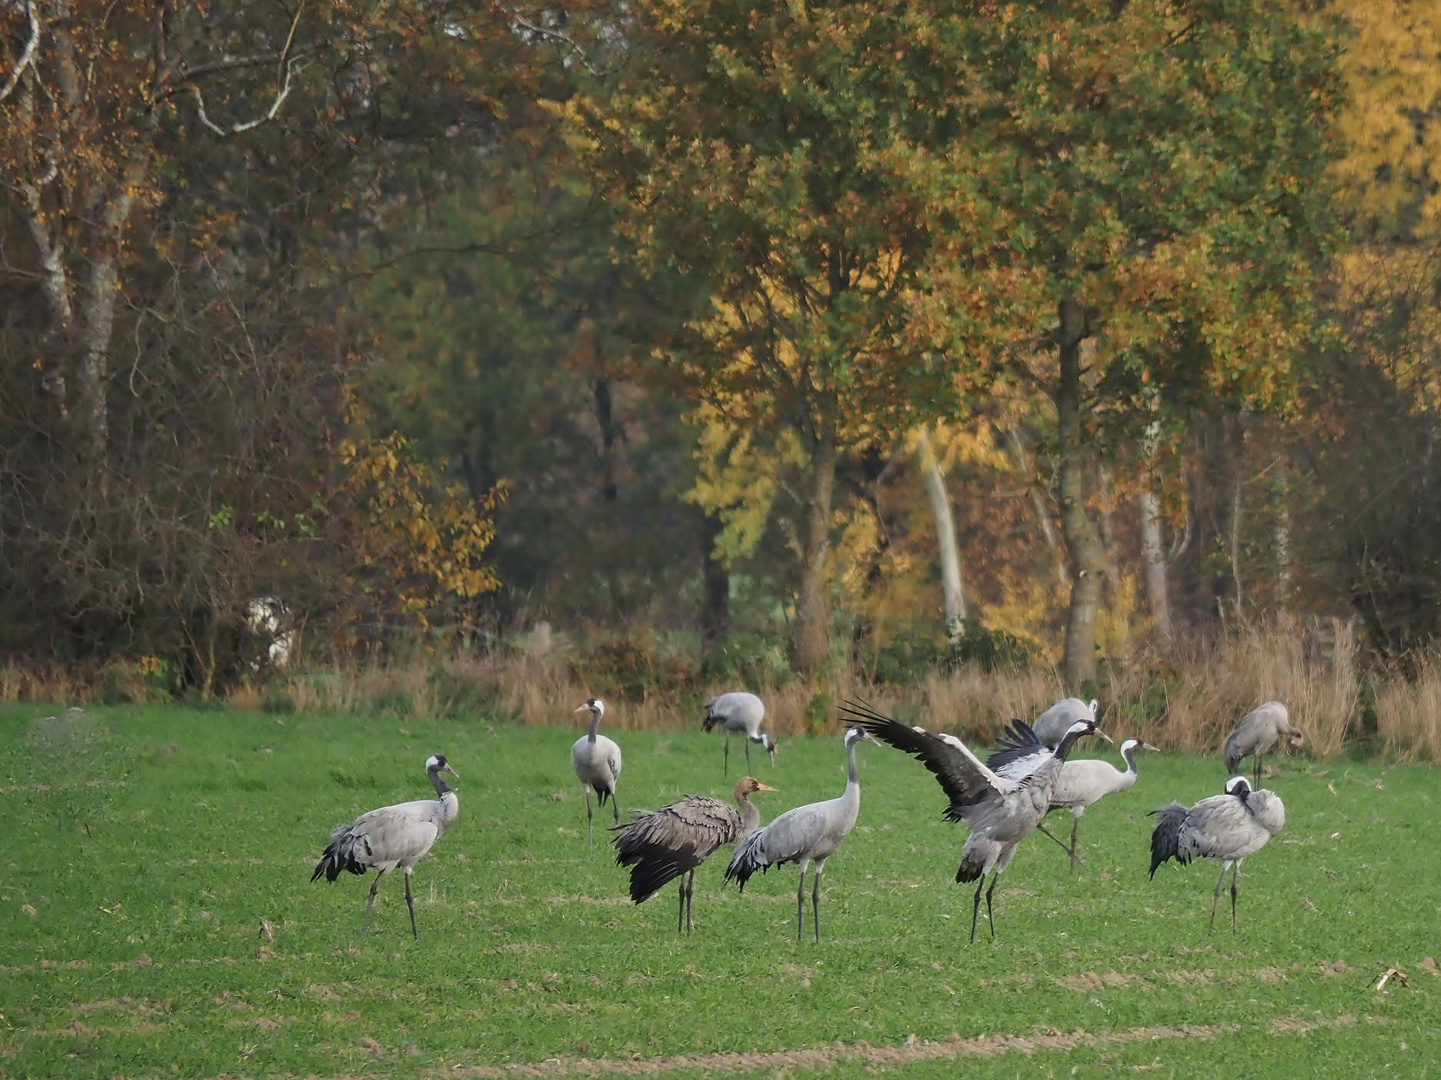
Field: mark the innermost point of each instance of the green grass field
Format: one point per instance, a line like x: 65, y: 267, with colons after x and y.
x: 151, y: 855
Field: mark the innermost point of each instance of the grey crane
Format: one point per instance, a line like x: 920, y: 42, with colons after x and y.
x: 1083, y: 783
x: 596, y: 760
x: 805, y: 835
x: 1002, y: 799
x: 393, y: 837
x: 1225, y: 827
x: 742, y: 713
x: 1260, y: 730
x: 1051, y: 726
x: 662, y: 845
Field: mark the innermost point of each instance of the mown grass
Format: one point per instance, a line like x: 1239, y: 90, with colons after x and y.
x: 144, y: 847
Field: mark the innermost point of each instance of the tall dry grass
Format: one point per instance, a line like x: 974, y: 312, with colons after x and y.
x: 1206, y: 687
x: 1187, y: 700
x: 1408, y: 712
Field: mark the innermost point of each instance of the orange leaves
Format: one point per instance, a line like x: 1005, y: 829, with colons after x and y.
x: 422, y: 543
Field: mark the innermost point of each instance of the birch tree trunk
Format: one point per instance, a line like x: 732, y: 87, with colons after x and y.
x: 1088, y: 554
x: 1038, y: 503
x: 950, y: 559
x: 1153, y: 556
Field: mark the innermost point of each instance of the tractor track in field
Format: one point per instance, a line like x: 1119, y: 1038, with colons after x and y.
x: 861, y: 1052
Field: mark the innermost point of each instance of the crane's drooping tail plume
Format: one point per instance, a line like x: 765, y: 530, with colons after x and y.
x: 392, y: 837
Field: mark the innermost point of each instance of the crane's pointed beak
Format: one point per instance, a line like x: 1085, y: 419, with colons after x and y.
x: 446, y: 768
x: 583, y: 708
x: 1103, y: 735
x: 764, y: 787
x: 1147, y: 746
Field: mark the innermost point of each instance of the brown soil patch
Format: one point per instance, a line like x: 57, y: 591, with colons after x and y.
x: 1089, y: 980
x: 837, y: 1053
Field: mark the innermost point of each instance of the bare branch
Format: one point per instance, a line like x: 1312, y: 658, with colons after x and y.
x: 560, y: 36
x: 27, y: 56
x: 285, y: 68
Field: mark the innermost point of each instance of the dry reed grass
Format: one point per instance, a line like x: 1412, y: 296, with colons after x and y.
x: 1312, y: 669
x: 1408, y: 713
x: 1187, y: 700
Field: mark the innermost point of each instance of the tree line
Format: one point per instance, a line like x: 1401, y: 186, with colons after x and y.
x: 839, y: 327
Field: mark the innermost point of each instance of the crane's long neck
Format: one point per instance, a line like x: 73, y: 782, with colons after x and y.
x: 853, y: 781
x: 595, y: 715
x: 1129, y: 753
x: 1063, y: 748
x: 750, y: 817
x: 441, y: 787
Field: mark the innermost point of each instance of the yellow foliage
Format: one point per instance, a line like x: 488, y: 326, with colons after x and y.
x: 423, y: 542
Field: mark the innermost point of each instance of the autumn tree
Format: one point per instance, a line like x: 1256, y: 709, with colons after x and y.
x: 1162, y: 169
x: 771, y: 155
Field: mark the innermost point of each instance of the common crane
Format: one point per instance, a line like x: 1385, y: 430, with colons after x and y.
x: 1051, y: 726
x: 662, y: 845
x: 1083, y: 783
x: 738, y: 713
x: 596, y: 760
x: 1002, y: 799
x: 1260, y: 730
x: 391, y: 837
x: 1225, y: 827
x: 808, y: 834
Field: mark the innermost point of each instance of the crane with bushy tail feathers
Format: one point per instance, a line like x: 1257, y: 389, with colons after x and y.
x: 392, y: 837
x: 1226, y: 827
x: 805, y: 835
x: 662, y: 845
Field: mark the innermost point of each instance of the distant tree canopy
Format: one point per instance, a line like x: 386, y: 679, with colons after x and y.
x: 633, y: 315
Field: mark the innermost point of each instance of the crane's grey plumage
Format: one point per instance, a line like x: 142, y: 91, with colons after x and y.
x: 1002, y: 799
x: 662, y: 845
x: 1051, y: 726
x: 1082, y: 783
x: 1259, y: 730
x: 1225, y: 827
x: 392, y: 837
x: 808, y: 834
x: 740, y: 713
x: 596, y: 760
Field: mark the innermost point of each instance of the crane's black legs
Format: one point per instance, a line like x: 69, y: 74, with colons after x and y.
x: 614, y: 806
x: 1257, y: 784
x: 1234, y: 875
x: 750, y: 769
x: 815, y: 897
x: 410, y: 903
x: 1216, y: 896
x: 976, y: 904
x: 727, y: 771
x: 1071, y: 851
x: 1054, y: 837
x: 687, y: 897
x: 589, y: 818
x: 989, y: 917
x: 365, y: 919
x: 801, y: 904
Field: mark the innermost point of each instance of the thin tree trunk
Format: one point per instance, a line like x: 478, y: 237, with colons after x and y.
x: 950, y: 559
x: 715, y: 614
x: 810, y: 646
x: 1038, y: 503
x: 1154, y: 557
x: 1282, y: 537
x: 1236, y: 543
x: 1088, y: 554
